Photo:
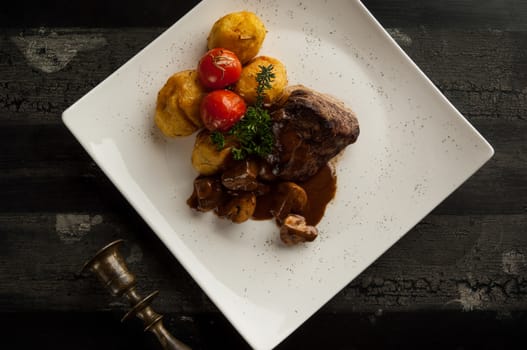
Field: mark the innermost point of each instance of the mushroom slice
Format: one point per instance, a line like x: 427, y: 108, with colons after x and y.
x: 239, y: 208
x: 290, y: 199
x: 242, y: 176
x: 294, y: 230
x: 265, y: 172
x: 208, y: 193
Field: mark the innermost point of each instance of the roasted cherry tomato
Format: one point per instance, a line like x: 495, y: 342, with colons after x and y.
x: 219, y: 68
x: 221, y: 109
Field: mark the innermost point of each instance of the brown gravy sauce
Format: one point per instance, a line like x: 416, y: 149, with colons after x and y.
x: 320, y: 190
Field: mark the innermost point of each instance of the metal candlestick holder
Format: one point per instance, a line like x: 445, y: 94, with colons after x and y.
x: 110, y: 268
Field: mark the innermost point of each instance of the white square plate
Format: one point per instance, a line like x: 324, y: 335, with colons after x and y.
x: 415, y: 148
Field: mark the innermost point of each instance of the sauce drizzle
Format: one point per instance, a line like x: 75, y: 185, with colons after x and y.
x: 320, y: 190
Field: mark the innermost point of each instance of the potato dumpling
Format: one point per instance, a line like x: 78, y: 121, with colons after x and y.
x: 206, y: 158
x: 241, y: 32
x: 246, y: 86
x: 190, y: 94
x: 178, y: 102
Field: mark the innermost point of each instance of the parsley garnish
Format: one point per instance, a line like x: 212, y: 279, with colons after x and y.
x: 253, y: 132
x: 218, y: 139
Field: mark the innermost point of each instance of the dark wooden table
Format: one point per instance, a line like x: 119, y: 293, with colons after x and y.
x: 458, y: 280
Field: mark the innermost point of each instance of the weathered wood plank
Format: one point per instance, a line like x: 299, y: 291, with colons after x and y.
x: 445, y: 263
x: 44, y: 71
x: 379, y: 330
x: 484, y: 73
x: 466, y: 14
x: 508, y: 14
x: 96, y: 13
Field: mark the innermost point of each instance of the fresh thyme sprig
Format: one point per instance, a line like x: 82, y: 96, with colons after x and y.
x: 264, y: 78
x: 253, y: 132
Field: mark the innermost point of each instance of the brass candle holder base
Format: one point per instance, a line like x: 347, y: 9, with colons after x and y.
x: 110, y: 268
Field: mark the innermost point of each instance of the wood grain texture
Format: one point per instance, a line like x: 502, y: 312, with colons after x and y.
x: 94, y: 13
x: 457, y: 280
x: 382, y: 330
x: 446, y: 262
x: 484, y: 74
x: 467, y: 14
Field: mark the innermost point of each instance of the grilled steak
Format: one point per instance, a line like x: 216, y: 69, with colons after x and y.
x: 310, y: 128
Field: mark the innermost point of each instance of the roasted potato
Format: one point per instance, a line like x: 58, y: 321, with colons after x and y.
x: 206, y: 158
x: 178, y: 102
x: 241, y: 32
x: 190, y: 94
x: 246, y: 86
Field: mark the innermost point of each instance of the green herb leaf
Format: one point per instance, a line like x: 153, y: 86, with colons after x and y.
x: 254, y: 131
x: 264, y: 78
x: 218, y: 139
x: 237, y: 153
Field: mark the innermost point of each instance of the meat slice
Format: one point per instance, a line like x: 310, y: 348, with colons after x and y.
x: 310, y: 128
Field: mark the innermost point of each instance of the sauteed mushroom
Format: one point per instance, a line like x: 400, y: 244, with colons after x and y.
x: 242, y: 176
x: 290, y: 199
x: 294, y: 230
x: 208, y: 193
x: 239, y: 208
